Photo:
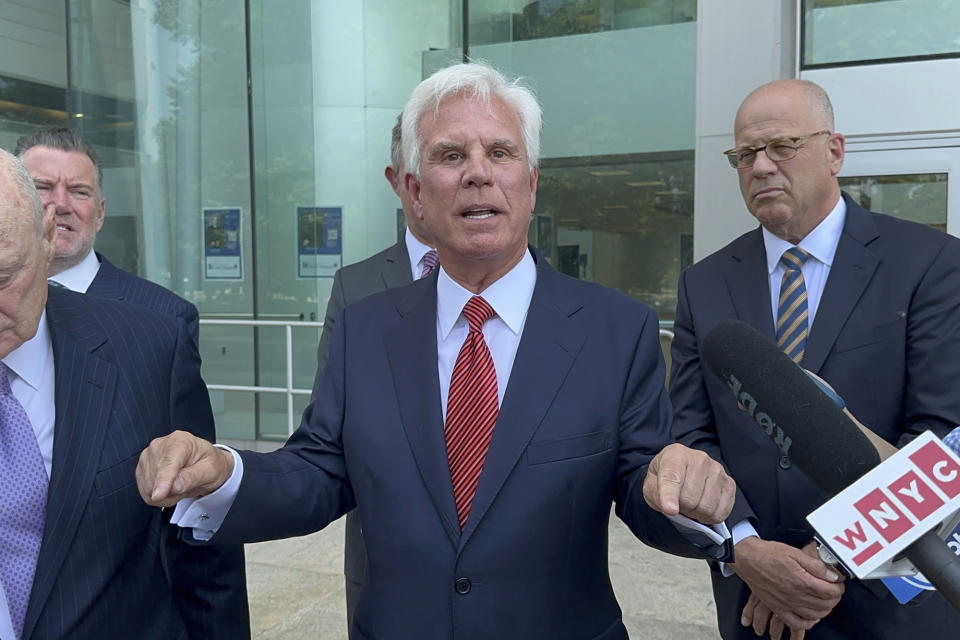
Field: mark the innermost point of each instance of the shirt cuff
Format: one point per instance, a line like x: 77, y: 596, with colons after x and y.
x: 205, y: 514
x: 741, y: 530
x: 713, y: 540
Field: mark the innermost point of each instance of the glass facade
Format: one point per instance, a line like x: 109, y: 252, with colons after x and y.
x: 837, y: 32
x: 244, y: 144
x: 244, y: 141
x: 617, y: 82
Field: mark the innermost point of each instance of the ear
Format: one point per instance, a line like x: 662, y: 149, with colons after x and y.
x: 534, y: 178
x: 391, y: 177
x: 101, y: 212
x: 412, y: 184
x: 836, y: 148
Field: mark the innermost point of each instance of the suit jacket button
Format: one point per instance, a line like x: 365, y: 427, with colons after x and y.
x: 785, y: 463
x: 462, y: 585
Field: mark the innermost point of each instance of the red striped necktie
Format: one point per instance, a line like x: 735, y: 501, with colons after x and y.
x: 472, y: 408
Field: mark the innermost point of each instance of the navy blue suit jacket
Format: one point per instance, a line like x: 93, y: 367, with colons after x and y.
x: 116, y: 284
x: 583, y: 414
x: 109, y: 566
x: 886, y: 336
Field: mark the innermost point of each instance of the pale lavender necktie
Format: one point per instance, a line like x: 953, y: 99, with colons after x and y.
x: 429, y: 262
x: 23, y: 501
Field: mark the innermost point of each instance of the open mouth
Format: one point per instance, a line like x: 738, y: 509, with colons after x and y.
x: 481, y: 212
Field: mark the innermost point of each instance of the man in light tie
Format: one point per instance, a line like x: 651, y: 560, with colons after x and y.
x: 411, y: 258
x: 85, y: 384
x: 483, y: 419
x: 67, y: 174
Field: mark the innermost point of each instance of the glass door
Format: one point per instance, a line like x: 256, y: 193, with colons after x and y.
x: 910, y: 183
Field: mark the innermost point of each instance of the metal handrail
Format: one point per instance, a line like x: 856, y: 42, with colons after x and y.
x: 288, y: 390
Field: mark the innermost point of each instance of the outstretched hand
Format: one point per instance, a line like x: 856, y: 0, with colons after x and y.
x: 686, y: 481
x: 180, y: 466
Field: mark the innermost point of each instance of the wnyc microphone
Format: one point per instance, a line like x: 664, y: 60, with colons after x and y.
x: 810, y: 428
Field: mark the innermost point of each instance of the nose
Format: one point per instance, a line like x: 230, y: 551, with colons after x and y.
x: 477, y: 171
x: 59, y: 197
x: 763, y: 165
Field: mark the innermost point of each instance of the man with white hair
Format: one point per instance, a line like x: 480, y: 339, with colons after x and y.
x: 483, y: 419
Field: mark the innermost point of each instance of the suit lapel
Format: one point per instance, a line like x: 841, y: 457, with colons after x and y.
x: 412, y: 352
x: 853, y: 267
x: 548, y: 348
x: 83, y: 399
x: 748, y: 283
x: 106, y: 284
x: 396, y: 266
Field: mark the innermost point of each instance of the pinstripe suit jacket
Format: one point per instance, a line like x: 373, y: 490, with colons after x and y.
x: 118, y: 284
x: 109, y: 566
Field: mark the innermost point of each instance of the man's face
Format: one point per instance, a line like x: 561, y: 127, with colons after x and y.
x: 68, y: 180
x: 476, y: 192
x: 24, y: 260
x: 790, y: 198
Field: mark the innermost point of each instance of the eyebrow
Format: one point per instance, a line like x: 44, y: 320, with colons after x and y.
x: 48, y: 179
x: 505, y: 142
x: 442, y: 146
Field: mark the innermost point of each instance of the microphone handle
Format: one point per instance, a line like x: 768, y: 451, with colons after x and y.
x: 932, y: 557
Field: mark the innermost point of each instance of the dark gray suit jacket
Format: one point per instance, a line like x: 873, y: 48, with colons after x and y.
x: 110, y: 566
x: 886, y: 336
x: 387, y: 269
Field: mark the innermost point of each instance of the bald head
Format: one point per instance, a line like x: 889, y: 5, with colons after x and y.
x: 27, y: 237
x: 20, y: 199
x: 810, y: 95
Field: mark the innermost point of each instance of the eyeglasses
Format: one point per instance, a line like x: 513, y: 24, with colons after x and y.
x: 777, y: 150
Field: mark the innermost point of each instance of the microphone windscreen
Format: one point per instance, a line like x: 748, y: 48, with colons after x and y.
x: 801, y: 419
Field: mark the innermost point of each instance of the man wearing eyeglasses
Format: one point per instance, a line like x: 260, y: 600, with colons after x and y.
x: 868, y: 302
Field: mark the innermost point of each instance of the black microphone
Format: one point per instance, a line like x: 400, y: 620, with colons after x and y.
x: 810, y: 429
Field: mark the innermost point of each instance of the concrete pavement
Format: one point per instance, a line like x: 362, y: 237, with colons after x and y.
x: 296, y: 589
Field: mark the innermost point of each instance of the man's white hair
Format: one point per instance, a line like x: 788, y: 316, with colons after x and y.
x: 475, y: 80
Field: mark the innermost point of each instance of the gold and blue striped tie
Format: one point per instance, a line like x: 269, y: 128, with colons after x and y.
x: 792, y: 314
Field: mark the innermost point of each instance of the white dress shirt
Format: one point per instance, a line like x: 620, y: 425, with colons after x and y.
x: 79, y: 276
x: 821, y: 244
x: 416, y: 250
x: 33, y: 386
x: 510, y: 298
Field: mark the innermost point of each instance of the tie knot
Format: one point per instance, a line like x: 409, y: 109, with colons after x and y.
x: 793, y: 258
x: 430, y: 261
x: 477, y: 310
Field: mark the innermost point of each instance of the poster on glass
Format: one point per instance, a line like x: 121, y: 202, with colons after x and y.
x: 319, y: 241
x: 222, y: 246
